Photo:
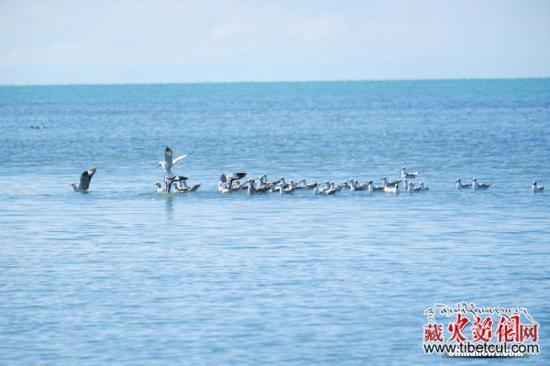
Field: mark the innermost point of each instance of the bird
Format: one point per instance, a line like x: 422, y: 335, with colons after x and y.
x: 412, y: 189
x: 476, y: 185
x: 250, y: 188
x: 322, y: 190
x: 390, y: 183
x: 261, y: 181
x: 304, y: 185
x: 262, y: 186
x: 331, y: 188
x: 168, y: 162
x: 356, y: 186
x: 535, y: 188
x: 266, y: 183
x: 225, y: 184
x: 373, y: 188
x: 182, y: 187
x: 291, y: 186
x: 337, y: 187
x: 392, y: 189
x: 282, y: 187
x: 85, y: 179
x: 405, y: 174
x: 460, y: 185
x: 168, y: 182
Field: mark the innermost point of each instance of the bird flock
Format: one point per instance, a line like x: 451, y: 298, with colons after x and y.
x: 228, y: 183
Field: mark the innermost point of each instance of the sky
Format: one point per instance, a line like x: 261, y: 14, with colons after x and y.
x: 143, y: 41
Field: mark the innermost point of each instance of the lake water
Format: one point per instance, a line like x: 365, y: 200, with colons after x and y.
x: 122, y: 275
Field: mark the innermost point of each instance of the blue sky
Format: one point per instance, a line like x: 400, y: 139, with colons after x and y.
x: 60, y: 42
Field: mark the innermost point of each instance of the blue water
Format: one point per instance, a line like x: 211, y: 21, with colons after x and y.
x: 124, y: 276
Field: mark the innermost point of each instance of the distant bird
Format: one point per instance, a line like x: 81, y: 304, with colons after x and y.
x: 536, y: 188
x: 477, y: 185
x: 356, y: 186
x: 338, y: 187
x: 390, y: 183
x: 283, y: 187
x: 410, y: 175
x: 261, y: 187
x: 266, y: 183
x: 421, y: 188
x: 168, y: 182
x: 251, y: 189
x: 304, y: 185
x: 291, y: 187
x: 225, y: 184
x: 330, y: 188
x: 182, y: 187
x: 262, y: 181
x: 324, y: 189
x: 372, y: 188
x: 392, y: 189
x: 311, y: 185
x: 168, y: 162
x: 85, y: 179
x: 412, y: 189
x: 460, y: 185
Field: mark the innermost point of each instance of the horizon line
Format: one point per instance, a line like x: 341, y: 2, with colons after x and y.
x: 273, y: 81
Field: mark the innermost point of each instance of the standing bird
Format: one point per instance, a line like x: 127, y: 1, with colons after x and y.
x: 85, y: 179
x: 536, y: 188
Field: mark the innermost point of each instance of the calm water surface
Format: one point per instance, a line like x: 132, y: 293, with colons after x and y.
x: 124, y: 276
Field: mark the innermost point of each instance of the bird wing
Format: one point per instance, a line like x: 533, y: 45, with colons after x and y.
x: 178, y: 159
x: 233, y: 177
